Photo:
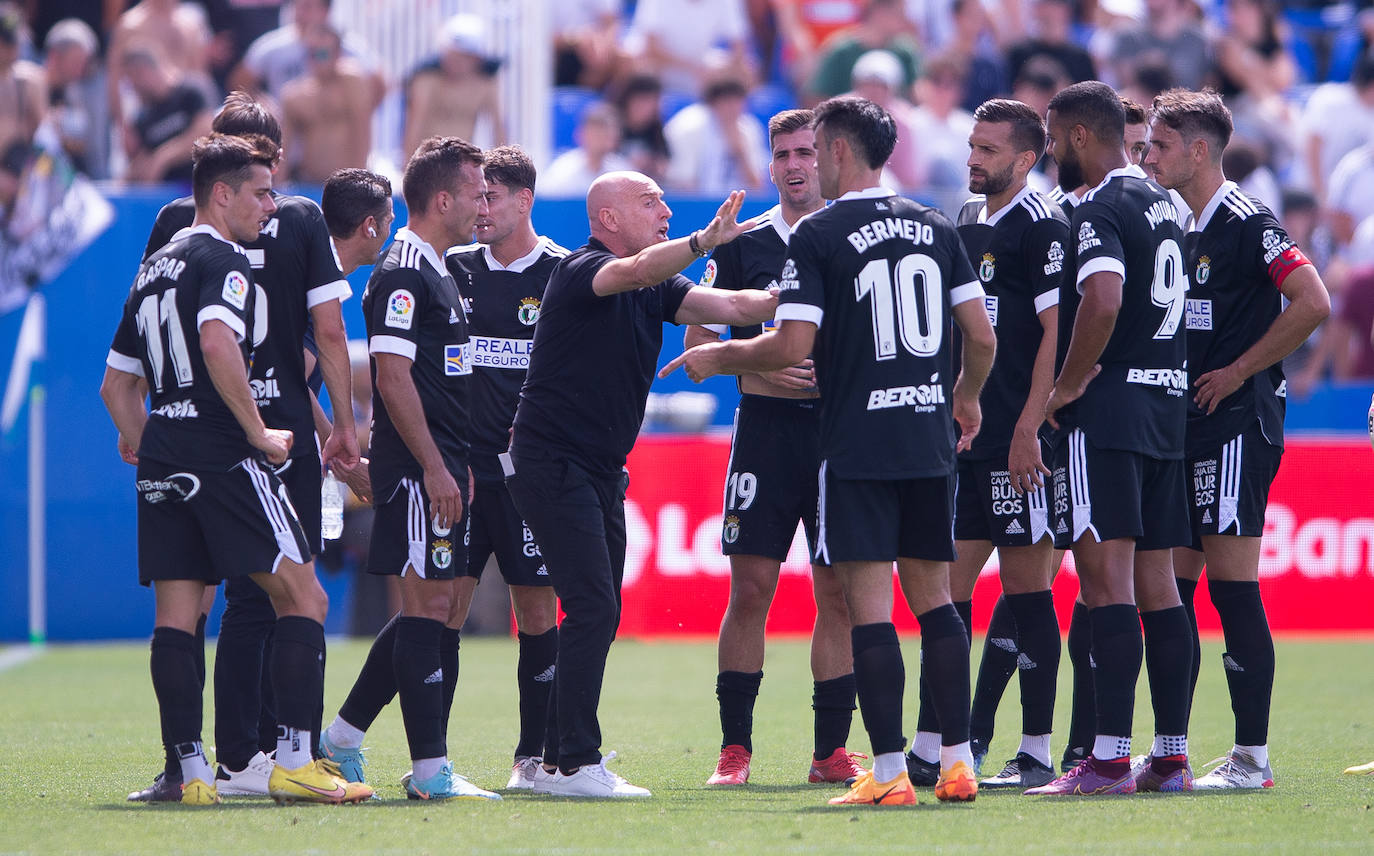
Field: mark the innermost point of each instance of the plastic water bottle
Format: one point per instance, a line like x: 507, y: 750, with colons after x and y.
x: 331, y: 508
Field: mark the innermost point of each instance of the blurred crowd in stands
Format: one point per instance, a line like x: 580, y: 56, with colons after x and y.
x: 681, y: 89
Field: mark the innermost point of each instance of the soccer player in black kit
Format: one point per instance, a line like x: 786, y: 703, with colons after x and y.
x: 210, y: 505
x: 299, y: 291
x: 1243, y: 263
x: 504, y: 276
x: 771, y: 485
x: 421, y: 371
x: 1016, y: 240
x: 869, y: 287
x: 595, y: 348
x: 1118, y: 410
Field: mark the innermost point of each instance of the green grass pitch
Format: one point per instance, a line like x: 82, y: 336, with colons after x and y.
x: 78, y: 729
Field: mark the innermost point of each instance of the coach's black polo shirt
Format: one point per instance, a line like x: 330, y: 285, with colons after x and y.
x: 592, y: 363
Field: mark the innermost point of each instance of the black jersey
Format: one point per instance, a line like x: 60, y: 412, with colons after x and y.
x: 592, y: 363
x: 1128, y: 225
x: 1018, y: 253
x: 1065, y: 200
x: 503, y: 306
x: 294, y: 269
x: 413, y: 309
x: 196, y: 278
x: 879, y: 275
x: 1239, y: 257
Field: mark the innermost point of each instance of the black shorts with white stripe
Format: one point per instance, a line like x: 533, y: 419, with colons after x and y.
x: 406, y: 539
x: 1106, y: 494
x: 211, y: 525
x: 775, y: 452
x: 988, y: 508
x: 303, y: 478
x: 1229, y: 489
x: 497, y: 530
x: 874, y: 520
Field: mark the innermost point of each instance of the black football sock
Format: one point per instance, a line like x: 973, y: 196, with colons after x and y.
x: 172, y: 661
x: 1187, y: 590
x: 267, y: 703
x: 1037, y: 637
x: 200, y: 650
x: 298, y: 684
x: 994, y: 671
x: 736, y: 692
x: 1168, y: 655
x: 375, y: 686
x: 534, y: 672
x: 1117, y: 651
x: 834, y: 704
x: 1082, y: 710
x: 420, y: 681
x: 880, y: 680
x: 449, y: 643
x: 551, y: 741
x: 944, y: 655
x: 1249, y: 657
x: 239, y: 674
x: 927, y: 715
x: 318, y: 722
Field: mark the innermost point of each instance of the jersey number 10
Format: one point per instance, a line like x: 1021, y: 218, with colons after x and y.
x: 914, y: 308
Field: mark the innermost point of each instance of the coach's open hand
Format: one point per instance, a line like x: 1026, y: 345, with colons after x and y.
x: 724, y: 227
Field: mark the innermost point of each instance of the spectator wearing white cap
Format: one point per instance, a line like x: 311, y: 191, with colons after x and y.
x: 878, y: 76
x: 449, y: 96
x: 78, y: 112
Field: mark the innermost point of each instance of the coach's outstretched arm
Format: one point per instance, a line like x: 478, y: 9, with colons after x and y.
x: 786, y: 346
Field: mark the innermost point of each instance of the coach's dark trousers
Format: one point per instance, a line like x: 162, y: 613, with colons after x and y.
x: 578, y: 520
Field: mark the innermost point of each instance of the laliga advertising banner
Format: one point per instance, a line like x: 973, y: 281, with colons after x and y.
x: 1316, y: 566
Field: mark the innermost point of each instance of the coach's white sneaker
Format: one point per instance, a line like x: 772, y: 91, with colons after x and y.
x: 594, y: 780
x: 251, y: 781
x: 541, y: 780
x: 522, y: 774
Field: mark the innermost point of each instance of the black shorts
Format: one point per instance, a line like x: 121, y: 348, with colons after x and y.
x: 303, y: 481
x: 870, y: 520
x: 209, y: 525
x: 497, y: 528
x: 988, y: 508
x: 404, y: 535
x: 775, y: 454
x: 1229, y: 487
x: 1112, y: 493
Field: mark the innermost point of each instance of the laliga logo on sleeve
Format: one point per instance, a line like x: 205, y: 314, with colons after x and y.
x: 400, y: 309
x: 235, y: 289
x: 708, y: 279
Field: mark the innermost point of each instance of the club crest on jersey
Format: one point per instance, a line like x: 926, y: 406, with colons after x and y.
x: 987, y: 268
x: 1204, y: 270
x: 1054, y: 258
x: 457, y: 360
x: 527, y: 312
x: 708, y: 279
x: 400, y: 309
x: 730, y: 533
x: 1087, y: 237
x: 235, y: 289
x: 441, y: 553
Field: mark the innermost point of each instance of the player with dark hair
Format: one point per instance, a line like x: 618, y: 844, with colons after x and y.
x: 505, y: 274
x: 1238, y: 332
x: 210, y: 506
x: 869, y: 287
x: 1118, y: 410
x: 421, y: 370
x: 598, y: 337
x: 1015, y: 239
x: 299, y: 291
x: 771, y: 486
x: 357, y: 205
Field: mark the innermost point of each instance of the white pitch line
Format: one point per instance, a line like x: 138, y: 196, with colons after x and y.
x: 18, y: 656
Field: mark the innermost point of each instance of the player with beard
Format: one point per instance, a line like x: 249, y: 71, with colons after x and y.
x: 1015, y: 239
x: 771, y: 485
x: 1118, y: 409
x: 1239, y: 330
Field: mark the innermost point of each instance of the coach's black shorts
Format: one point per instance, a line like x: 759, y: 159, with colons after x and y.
x: 405, y: 536
x: 1110, y: 493
x: 988, y: 508
x: 303, y: 481
x: 497, y: 528
x: 775, y: 454
x: 1228, y: 488
x: 871, y: 520
x: 207, y: 525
